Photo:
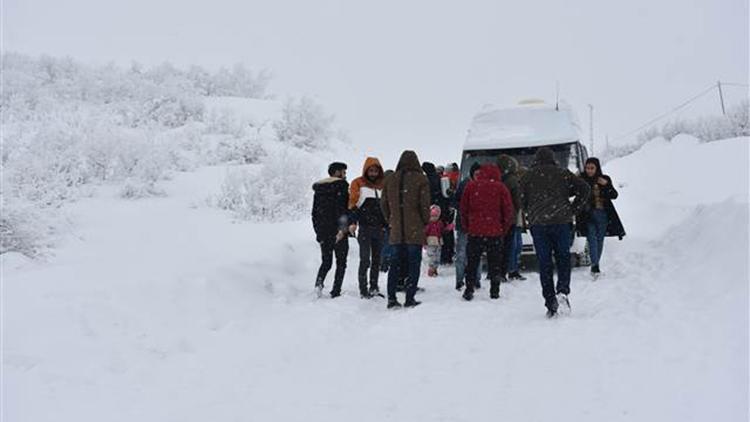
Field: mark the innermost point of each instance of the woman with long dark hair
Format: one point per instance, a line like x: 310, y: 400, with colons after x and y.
x: 599, y: 218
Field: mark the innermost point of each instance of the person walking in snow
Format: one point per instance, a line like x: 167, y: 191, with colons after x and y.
x: 546, y: 189
x: 434, y: 239
x: 406, y: 207
x: 599, y: 217
x: 461, y: 236
x: 331, y: 224
x: 486, y: 215
x: 364, y: 206
x: 513, y: 242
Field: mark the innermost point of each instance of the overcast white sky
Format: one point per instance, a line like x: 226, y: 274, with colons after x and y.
x: 411, y: 74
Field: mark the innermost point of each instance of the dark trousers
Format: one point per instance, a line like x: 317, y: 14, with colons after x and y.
x: 477, y: 245
x: 411, y: 256
x: 553, y: 240
x: 385, y: 254
x: 370, y: 241
x: 449, y: 247
x: 327, y: 249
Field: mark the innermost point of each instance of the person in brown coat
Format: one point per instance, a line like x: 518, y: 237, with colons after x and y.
x: 406, y: 207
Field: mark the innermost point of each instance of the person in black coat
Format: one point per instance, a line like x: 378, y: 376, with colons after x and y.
x: 447, y: 215
x: 330, y: 218
x: 599, y: 217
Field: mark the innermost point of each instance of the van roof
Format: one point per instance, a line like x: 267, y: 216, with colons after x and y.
x: 528, y: 125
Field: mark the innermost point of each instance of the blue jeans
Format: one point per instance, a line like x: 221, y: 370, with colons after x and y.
x: 514, y: 253
x: 596, y: 231
x: 385, y: 254
x: 552, y: 239
x: 462, y: 239
x: 413, y: 255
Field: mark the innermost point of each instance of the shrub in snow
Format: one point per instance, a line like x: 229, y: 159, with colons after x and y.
x: 24, y: 227
x: 245, y: 149
x: 277, y: 190
x: 136, y: 189
x: 304, y: 124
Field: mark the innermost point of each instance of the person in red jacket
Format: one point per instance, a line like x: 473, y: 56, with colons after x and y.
x: 486, y: 214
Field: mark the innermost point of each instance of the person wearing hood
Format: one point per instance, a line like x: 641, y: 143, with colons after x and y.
x: 486, y: 214
x: 513, y: 241
x: 406, y: 207
x: 461, y: 236
x: 364, y: 207
x: 546, y: 189
x: 436, y: 190
x: 330, y: 220
x: 599, y: 217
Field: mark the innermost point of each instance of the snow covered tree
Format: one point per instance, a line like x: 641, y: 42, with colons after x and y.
x: 304, y: 124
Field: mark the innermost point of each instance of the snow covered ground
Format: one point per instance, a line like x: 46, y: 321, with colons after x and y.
x: 165, y: 309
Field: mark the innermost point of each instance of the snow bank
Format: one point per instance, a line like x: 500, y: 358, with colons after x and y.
x: 663, y: 182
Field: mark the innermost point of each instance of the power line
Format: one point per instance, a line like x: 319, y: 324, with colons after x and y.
x: 661, y: 116
x: 735, y: 84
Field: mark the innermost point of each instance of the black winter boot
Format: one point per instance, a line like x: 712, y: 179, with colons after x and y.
x: 515, y: 275
x: 495, y: 290
x: 412, y: 303
x: 393, y: 304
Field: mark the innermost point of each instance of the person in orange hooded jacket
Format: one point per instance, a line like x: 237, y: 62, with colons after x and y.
x: 364, y: 206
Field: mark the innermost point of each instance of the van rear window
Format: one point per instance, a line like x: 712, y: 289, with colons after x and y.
x: 566, y: 155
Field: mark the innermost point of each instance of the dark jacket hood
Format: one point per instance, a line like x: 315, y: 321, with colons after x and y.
x: 408, y: 162
x: 544, y: 155
x: 429, y: 169
x: 508, y: 164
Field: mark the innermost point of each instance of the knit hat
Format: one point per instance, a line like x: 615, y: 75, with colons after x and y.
x: 434, y: 211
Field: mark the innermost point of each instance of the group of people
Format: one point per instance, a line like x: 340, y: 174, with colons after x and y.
x: 396, y: 215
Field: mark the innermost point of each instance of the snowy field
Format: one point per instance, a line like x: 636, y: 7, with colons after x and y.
x: 166, y: 309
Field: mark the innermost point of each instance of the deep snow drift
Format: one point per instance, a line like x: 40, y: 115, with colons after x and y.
x: 165, y: 309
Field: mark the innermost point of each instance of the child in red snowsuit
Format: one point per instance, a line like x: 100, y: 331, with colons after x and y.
x: 434, y: 239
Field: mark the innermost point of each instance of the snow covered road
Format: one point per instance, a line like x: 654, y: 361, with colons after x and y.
x: 166, y: 310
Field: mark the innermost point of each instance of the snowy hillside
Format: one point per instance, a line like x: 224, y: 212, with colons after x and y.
x: 169, y: 309
x: 68, y: 128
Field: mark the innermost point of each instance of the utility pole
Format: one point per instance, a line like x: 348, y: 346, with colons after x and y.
x: 591, y: 128
x: 721, y: 98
